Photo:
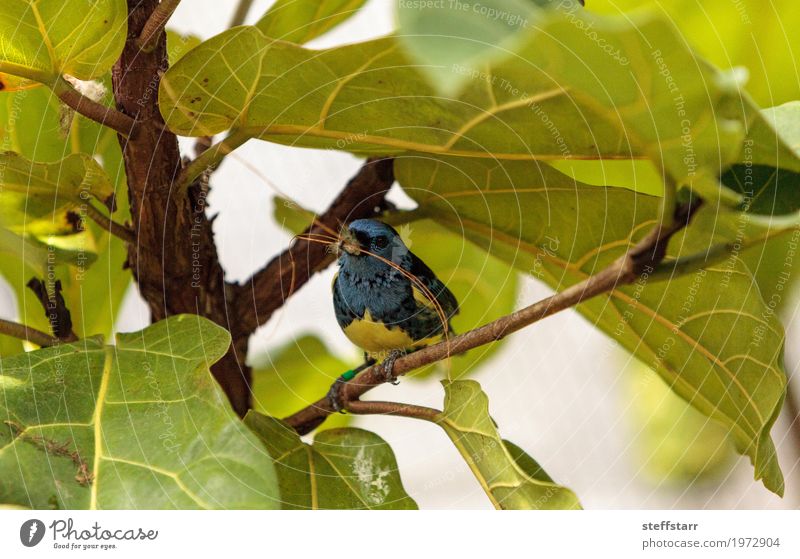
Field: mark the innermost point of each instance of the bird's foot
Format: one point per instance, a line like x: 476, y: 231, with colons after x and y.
x: 387, y: 367
x: 335, y: 393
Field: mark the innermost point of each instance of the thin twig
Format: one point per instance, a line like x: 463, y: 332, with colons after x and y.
x: 116, y: 229
x: 17, y: 330
x: 393, y: 408
x: 93, y: 110
x: 155, y: 24
x: 240, y: 14
x: 640, y: 259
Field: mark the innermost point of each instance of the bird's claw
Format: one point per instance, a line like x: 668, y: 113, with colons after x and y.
x: 387, y: 367
x: 335, y: 395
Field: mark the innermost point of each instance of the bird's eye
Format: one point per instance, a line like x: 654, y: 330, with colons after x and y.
x: 381, y: 242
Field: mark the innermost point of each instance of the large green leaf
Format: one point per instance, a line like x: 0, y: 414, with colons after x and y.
x: 345, y: 468
x: 299, y: 21
x: 751, y: 33
x: 552, y: 99
x: 709, y: 334
x: 510, y: 478
x: 42, y: 39
x: 293, y: 376
x: 138, y: 425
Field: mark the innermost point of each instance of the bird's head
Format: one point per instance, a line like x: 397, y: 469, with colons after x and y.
x: 368, y: 238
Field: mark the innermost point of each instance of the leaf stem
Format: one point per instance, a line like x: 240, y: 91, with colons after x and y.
x: 17, y: 330
x: 110, y: 225
x: 210, y: 158
x: 93, y: 110
x: 155, y: 24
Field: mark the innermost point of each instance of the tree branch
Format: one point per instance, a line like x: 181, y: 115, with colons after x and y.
x: 174, y: 259
x: 93, y: 110
x: 240, y: 14
x: 267, y: 289
x: 155, y: 24
x: 55, y: 309
x: 16, y: 330
x: 110, y: 225
x: 639, y: 260
x: 393, y: 408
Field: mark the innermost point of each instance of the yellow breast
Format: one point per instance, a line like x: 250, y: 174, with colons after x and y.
x: 376, y: 338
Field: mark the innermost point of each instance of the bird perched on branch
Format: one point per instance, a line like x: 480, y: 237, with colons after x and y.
x: 387, y: 301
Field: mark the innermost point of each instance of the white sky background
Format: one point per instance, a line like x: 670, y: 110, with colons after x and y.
x: 555, y: 389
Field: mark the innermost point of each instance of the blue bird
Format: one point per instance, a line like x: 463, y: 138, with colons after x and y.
x: 387, y: 301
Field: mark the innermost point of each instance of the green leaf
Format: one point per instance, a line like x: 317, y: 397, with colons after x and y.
x: 745, y: 33
x: 34, y: 124
x: 510, y: 478
x: 43, y: 39
x: 447, y: 34
x: 140, y: 425
x: 40, y: 256
x: 178, y: 45
x: 709, y: 334
x: 299, y: 21
x: 550, y: 101
x: 39, y: 198
x: 344, y: 469
x: 294, y: 375
x: 674, y: 442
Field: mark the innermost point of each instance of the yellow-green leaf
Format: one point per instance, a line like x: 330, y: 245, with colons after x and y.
x: 299, y: 21
x: 42, y: 39
x: 510, y: 478
x: 140, y: 425
x: 47, y: 198
x: 294, y: 375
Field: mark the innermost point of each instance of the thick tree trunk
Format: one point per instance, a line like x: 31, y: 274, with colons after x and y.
x: 174, y: 259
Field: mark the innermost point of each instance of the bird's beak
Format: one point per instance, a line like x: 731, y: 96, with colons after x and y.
x: 349, y: 244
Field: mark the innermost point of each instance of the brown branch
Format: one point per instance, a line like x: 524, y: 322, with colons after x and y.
x: 267, y: 289
x: 155, y: 24
x: 240, y: 14
x: 393, y: 408
x: 17, y: 330
x: 110, y: 225
x: 639, y: 260
x: 55, y: 309
x: 93, y: 110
